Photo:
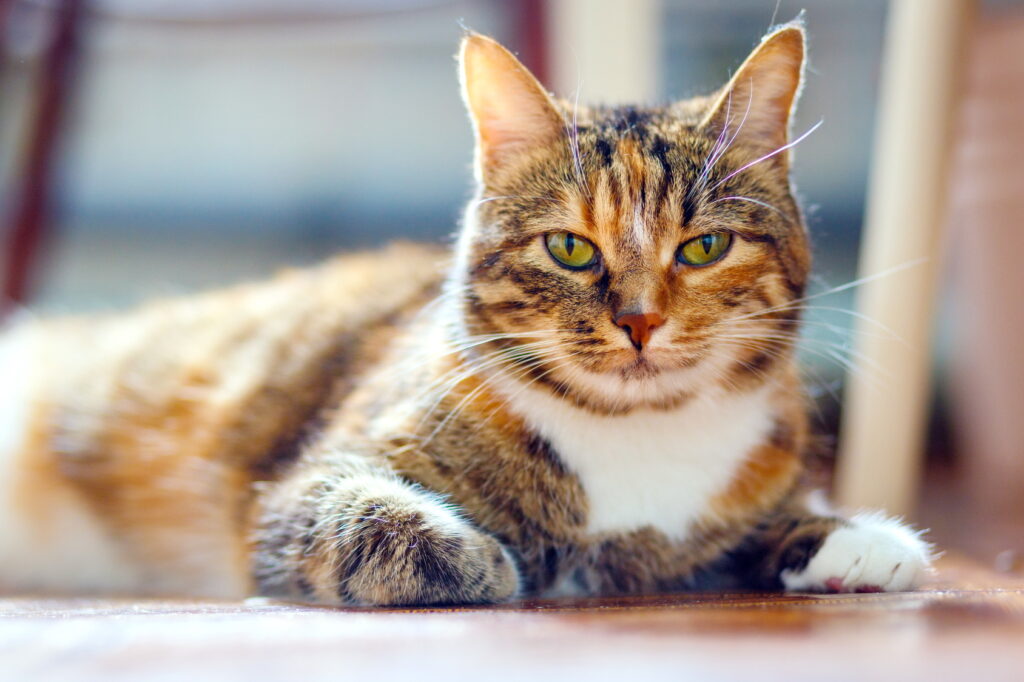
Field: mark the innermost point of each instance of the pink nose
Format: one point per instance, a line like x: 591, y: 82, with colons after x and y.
x: 639, y: 326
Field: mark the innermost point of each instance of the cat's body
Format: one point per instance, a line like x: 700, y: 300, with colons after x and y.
x: 404, y: 428
x: 142, y: 457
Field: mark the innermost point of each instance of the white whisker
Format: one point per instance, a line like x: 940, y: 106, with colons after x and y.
x: 764, y: 204
x: 835, y: 290
x: 783, y: 148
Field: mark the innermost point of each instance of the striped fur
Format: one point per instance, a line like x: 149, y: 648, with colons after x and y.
x: 410, y: 427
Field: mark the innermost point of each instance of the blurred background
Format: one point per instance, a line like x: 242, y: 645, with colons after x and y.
x: 207, y: 140
x: 164, y: 146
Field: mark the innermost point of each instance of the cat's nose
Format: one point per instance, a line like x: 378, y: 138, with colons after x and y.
x: 639, y: 326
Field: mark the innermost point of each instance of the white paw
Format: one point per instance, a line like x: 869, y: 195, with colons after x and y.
x: 873, y: 554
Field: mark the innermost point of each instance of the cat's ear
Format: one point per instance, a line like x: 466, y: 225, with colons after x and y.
x: 757, y: 105
x: 510, y: 110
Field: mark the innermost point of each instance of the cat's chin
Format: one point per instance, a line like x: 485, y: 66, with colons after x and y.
x: 659, y: 380
x: 639, y: 383
x: 647, y: 365
x: 638, y: 367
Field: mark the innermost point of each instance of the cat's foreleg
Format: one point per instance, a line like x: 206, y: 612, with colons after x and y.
x: 368, y: 537
x: 805, y: 552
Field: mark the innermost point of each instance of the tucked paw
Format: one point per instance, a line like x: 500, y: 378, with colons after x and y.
x: 871, y: 554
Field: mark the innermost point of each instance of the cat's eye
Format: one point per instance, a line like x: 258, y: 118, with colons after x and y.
x: 705, y: 249
x: 570, y: 250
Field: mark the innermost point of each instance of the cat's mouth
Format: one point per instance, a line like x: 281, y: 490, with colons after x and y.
x: 621, y: 380
x: 640, y: 367
x: 631, y: 364
x: 646, y: 363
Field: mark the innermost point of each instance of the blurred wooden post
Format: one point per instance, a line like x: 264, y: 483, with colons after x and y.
x: 610, y: 47
x: 887, y: 398
x: 33, y: 182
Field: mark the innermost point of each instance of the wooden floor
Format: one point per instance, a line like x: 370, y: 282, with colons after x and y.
x: 968, y: 624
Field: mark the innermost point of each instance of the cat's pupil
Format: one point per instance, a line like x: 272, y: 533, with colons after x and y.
x: 570, y: 244
x: 707, y: 241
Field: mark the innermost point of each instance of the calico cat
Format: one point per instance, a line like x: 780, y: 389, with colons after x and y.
x: 594, y: 394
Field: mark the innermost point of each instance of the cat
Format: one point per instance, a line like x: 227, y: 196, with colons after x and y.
x: 594, y: 394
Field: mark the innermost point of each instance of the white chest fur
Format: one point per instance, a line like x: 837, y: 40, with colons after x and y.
x: 651, y: 468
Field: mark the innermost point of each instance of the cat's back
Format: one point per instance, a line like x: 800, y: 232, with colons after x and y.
x: 233, y: 352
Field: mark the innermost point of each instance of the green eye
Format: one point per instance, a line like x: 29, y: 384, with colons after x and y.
x: 705, y: 249
x: 571, y: 251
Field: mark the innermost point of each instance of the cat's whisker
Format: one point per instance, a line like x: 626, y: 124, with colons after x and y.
x: 416, y: 361
x: 474, y: 360
x: 424, y: 357
x: 712, y: 155
x: 803, y: 308
x: 757, y: 345
x: 513, y: 335
x: 817, y: 347
x: 479, y: 370
x: 484, y: 384
x: 835, y: 290
x: 723, y: 149
x: 464, y: 343
x: 476, y: 365
x: 468, y: 345
x: 517, y: 374
x: 768, y: 316
x: 838, y: 330
x: 574, y: 143
x: 888, y: 331
x: 751, y: 200
x: 801, y: 342
x: 785, y: 147
x: 812, y: 374
x: 566, y: 362
x: 485, y: 200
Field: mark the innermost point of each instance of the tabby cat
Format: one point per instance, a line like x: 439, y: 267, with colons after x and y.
x: 594, y: 394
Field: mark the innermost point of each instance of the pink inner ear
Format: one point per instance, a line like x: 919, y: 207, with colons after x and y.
x: 757, y: 105
x: 513, y: 125
x: 510, y: 109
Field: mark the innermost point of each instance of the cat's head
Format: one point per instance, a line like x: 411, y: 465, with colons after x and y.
x: 632, y: 256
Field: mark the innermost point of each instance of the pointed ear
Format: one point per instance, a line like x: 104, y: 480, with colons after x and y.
x: 757, y: 104
x: 511, y: 112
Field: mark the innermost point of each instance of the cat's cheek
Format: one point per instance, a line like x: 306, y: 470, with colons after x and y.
x: 871, y: 554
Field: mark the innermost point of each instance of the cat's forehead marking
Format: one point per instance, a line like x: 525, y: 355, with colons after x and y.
x: 634, y: 169
x: 604, y: 149
x: 641, y: 233
x: 621, y: 207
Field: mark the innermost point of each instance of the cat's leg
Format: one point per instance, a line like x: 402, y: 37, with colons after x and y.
x: 869, y: 552
x: 370, y: 538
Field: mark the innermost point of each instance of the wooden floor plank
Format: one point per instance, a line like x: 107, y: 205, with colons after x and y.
x: 967, y: 624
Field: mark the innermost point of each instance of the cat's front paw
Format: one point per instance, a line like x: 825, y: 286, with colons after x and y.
x: 397, y: 546
x: 374, y: 540
x: 872, y: 553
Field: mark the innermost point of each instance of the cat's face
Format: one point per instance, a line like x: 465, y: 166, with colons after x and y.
x: 622, y: 256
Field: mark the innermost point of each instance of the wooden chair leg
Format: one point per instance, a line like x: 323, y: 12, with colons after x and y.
x: 579, y: 48
x: 887, y: 398
x: 32, y: 191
